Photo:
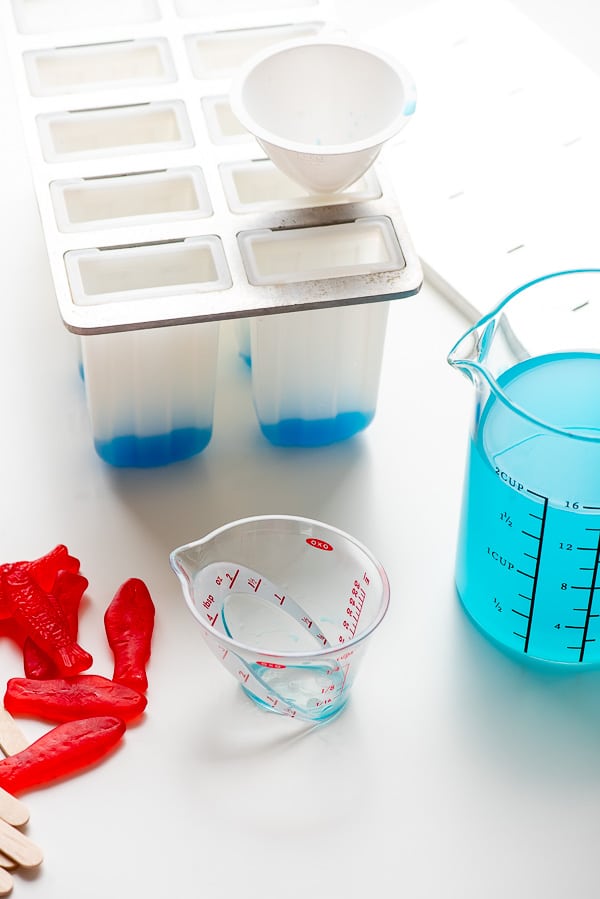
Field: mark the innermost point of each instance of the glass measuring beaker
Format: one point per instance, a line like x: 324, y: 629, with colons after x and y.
x: 528, y: 558
x: 288, y: 606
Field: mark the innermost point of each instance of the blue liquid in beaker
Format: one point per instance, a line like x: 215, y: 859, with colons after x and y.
x: 529, y: 546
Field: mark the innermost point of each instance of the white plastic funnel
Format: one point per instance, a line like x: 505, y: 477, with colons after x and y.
x: 322, y: 109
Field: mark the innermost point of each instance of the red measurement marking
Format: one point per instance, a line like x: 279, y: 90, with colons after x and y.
x: 280, y: 598
x: 354, y: 610
x: 269, y: 664
x: 319, y: 544
x: 254, y: 583
x: 232, y: 578
x: 346, y: 669
x: 243, y: 676
x: 212, y: 620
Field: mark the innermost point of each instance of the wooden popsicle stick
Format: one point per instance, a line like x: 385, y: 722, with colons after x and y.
x: 19, y: 847
x: 6, y: 882
x: 12, y: 738
x: 12, y: 810
x: 6, y: 862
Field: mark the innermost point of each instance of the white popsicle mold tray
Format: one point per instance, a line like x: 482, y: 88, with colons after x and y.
x: 157, y: 207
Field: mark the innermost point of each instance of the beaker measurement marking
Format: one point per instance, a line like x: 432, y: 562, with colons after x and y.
x: 592, y: 509
x: 535, y: 576
x: 589, y: 615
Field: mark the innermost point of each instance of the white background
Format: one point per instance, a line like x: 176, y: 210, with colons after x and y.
x: 454, y: 772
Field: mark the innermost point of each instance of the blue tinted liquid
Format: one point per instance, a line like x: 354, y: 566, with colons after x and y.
x: 131, y: 451
x: 529, y: 545
x: 316, y: 692
x: 316, y: 432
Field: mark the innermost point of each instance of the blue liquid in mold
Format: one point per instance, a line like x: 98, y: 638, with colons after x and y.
x: 131, y: 451
x: 529, y: 546
x: 316, y: 432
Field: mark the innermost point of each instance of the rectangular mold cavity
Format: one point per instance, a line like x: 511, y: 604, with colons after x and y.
x: 362, y: 247
x: 70, y: 70
x: 193, y: 265
x: 81, y: 204
x: 254, y: 185
x: 46, y: 16
x: 142, y: 127
x: 219, y: 54
x: 222, y: 125
x: 187, y: 8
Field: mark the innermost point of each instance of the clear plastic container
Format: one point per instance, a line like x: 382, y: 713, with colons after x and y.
x: 150, y: 393
x: 315, y: 374
x: 288, y: 606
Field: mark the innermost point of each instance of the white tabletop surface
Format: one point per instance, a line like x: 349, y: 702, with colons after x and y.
x: 453, y: 772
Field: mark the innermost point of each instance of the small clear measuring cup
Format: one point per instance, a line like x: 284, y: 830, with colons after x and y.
x: 528, y: 560
x: 288, y: 606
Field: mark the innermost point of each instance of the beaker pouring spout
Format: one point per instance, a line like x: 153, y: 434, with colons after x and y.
x: 468, y: 354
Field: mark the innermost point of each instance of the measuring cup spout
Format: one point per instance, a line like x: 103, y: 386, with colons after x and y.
x: 184, y: 562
